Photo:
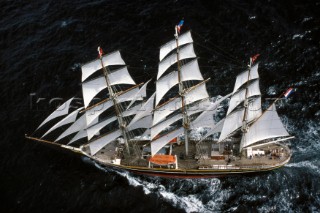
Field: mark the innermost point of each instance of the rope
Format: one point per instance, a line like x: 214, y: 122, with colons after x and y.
x: 227, y: 55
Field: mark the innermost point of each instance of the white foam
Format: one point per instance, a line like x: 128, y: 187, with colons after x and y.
x: 295, y: 36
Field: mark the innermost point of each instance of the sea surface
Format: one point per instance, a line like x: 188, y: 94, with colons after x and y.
x: 43, y: 44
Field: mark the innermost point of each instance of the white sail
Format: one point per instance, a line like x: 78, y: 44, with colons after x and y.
x: 203, y: 105
x: 243, y: 77
x: 110, y: 59
x: 254, y: 109
x: 62, y: 110
x: 93, y: 113
x: 233, y: 121
x: 75, y: 127
x: 141, y: 94
x: 267, y: 126
x: 91, y: 88
x: 79, y: 135
x: 130, y: 95
x: 196, y: 93
x: 157, y: 144
x: 96, y: 145
x: 238, y: 97
x: 120, y: 76
x: 184, y: 53
x: 132, y: 111
x: 145, y: 122
x: 68, y: 119
x: 166, y: 123
x: 205, y: 119
x: 145, y: 110
x: 91, y: 131
x: 164, y: 84
x: 171, y: 45
x: 155, y: 130
x: 215, y: 129
x: 189, y: 71
x: 166, y: 109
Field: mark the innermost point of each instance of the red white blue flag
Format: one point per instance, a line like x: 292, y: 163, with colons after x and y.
x: 180, y: 25
x: 288, y: 92
x: 100, y: 51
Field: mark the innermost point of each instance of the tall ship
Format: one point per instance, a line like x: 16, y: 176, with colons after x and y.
x: 129, y: 130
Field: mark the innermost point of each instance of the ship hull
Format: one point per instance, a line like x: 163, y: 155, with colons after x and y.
x: 183, y: 174
x: 177, y: 173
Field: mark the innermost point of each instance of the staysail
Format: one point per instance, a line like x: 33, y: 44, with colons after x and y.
x: 267, y: 126
x: 62, y: 110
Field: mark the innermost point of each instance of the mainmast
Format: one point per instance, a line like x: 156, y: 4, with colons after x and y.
x: 181, y: 92
x: 113, y: 96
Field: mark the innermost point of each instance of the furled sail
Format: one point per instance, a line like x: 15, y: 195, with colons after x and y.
x: 109, y: 59
x: 184, y: 52
x: 243, y: 77
x: 96, y: 145
x: 267, y: 126
x: 62, y: 110
x: 189, y: 71
x: 68, y: 119
x: 157, y: 144
x: 171, y: 45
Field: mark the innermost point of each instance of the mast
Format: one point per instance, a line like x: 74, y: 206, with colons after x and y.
x: 246, y: 102
x: 113, y: 96
x: 181, y: 94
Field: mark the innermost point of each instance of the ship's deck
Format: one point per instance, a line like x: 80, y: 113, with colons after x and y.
x: 274, y: 155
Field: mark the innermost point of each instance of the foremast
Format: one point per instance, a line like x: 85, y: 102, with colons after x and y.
x: 113, y: 97
x: 185, y: 120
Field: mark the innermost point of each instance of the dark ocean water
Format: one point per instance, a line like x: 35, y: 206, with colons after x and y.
x: 43, y: 43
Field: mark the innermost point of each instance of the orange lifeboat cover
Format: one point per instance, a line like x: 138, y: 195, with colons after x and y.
x: 163, y: 159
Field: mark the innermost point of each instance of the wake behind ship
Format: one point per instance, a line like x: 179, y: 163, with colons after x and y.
x: 155, y: 135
